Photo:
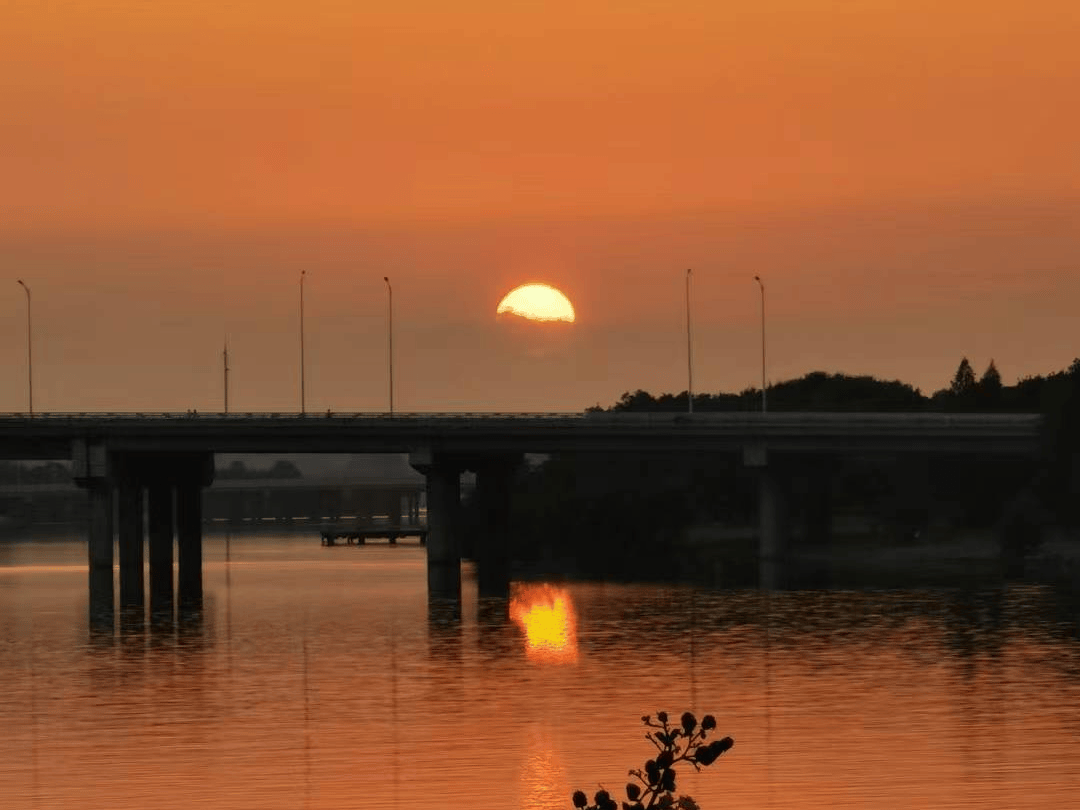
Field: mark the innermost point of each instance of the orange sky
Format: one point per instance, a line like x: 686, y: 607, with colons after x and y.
x: 904, y: 175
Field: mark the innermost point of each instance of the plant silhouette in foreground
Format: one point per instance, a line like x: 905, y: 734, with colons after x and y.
x: 655, y: 786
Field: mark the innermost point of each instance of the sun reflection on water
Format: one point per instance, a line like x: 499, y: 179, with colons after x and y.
x: 545, y: 613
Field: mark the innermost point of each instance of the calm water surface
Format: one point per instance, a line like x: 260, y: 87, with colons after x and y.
x: 319, y: 678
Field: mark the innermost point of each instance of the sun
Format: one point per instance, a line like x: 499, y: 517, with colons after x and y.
x: 537, y: 302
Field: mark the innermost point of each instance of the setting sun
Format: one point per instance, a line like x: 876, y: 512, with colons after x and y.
x: 537, y: 302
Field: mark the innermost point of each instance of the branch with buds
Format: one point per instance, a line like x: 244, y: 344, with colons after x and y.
x: 655, y: 785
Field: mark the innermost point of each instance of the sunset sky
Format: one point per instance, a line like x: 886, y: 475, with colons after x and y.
x: 903, y: 174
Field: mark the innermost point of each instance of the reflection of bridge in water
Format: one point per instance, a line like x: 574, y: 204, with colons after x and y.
x: 169, y: 457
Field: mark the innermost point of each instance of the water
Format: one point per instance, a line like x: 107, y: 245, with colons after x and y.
x: 317, y: 679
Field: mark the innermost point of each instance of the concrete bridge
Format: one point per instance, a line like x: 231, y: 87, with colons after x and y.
x: 118, y: 456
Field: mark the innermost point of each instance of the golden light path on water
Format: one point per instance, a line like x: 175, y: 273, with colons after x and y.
x: 545, y: 614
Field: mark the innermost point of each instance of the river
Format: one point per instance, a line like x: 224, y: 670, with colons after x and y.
x: 321, y: 678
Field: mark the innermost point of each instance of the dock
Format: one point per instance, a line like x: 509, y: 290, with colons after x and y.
x: 360, y: 535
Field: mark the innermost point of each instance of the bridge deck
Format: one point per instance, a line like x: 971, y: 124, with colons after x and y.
x: 51, y: 435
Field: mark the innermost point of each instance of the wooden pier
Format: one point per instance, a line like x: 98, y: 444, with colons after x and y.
x: 358, y: 536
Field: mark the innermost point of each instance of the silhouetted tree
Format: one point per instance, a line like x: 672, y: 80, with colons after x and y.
x: 815, y: 391
x: 989, y: 388
x: 963, y: 382
x: 991, y: 379
x: 819, y: 391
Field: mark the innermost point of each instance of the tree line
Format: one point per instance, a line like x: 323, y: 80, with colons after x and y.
x: 821, y: 391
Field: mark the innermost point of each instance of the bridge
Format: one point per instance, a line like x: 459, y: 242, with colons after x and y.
x: 51, y: 436
x: 169, y: 456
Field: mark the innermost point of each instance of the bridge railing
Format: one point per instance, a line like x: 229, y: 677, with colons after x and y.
x: 779, y: 418
x: 292, y: 415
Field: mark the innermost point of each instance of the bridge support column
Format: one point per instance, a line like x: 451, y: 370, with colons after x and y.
x: 394, y: 512
x: 189, y: 542
x: 817, y: 515
x: 494, y: 478
x: 772, y: 513
x: 191, y: 472
x: 100, y: 552
x: 91, y: 470
x: 414, y: 509
x: 173, y: 483
x: 443, y: 504
x: 160, y: 520
x: 129, y: 510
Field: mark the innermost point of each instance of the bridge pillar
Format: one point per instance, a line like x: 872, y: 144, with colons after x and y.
x: 100, y: 552
x: 817, y: 514
x: 443, y: 506
x: 90, y: 468
x: 189, y: 542
x: 394, y: 512
x: 192, y: 474
x: 129, y: 512
x: 160, y: 524
x: 173, y: 483
x: 772, y: 513
x: 494, y: 479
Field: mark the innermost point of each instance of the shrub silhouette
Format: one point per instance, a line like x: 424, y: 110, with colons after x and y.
x: 655, y: 785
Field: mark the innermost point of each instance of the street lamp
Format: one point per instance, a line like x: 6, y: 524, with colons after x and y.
x: 29, y: 349
x: 390, y: 336
x: 302, y: 274
x: 689, y: 361
x: 225, y: 369
x: 761, y: 284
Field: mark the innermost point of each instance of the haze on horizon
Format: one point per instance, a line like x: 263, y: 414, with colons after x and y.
x: 904, y: 177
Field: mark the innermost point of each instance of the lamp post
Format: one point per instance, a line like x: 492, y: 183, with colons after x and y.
x: 29, y: 349
x: 761, y: 284
x: 689, y: 359
x: 390, y: 337
x: 225, y: 370
x: 302, y: 274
